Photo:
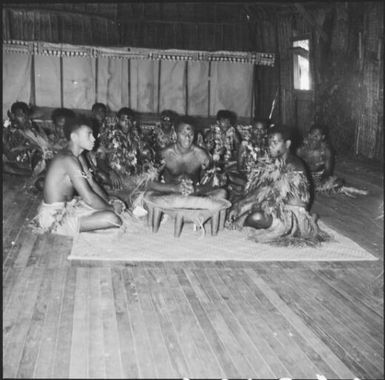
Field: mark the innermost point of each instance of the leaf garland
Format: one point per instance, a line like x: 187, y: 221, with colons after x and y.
x: 274, y: 184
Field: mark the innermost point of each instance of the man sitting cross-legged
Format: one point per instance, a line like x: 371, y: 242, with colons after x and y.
x: 184, y: 165
x: 318, y: 154
x: 180, y: 183
x: 276, y: 199
x: 62, y: 213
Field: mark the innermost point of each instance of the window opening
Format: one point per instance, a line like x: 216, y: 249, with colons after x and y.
x: 302, y: 80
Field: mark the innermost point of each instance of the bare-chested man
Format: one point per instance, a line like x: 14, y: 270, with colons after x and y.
x: 184, y: 165
x: 68, y: 172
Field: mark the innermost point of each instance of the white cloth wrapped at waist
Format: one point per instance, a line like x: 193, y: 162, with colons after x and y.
x: 61, y: 217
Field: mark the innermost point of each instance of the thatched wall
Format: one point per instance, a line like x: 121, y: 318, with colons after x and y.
x: 347, y: 40
x: 189, y: 26
x: 91, y: 24
x: 370, y: 130
x: 346, y: 54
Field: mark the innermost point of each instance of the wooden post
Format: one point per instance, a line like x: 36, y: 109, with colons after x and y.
x: 96, y: 78
x: 253, y: 98
x: 159, y: 78
x: 61, y: 83
x: 129, y: 82
x: 209, y: 90
x: 186, y: 85
x: 33, y: 82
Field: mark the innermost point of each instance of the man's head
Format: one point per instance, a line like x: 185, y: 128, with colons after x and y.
x: 279, y: 141
x: 126, y: 118
x: 20, y: 113
x: 61, y: 115
x: 317, y: 134
x: 79, y: 131
x: 185, y: 131
x: 226, y: 118
x: 259, y: 128
x: 99, y: 111
x: 167, y: 118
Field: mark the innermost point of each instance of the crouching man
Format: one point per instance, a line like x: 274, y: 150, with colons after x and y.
x: 276, y: 200
x: 61, y: 212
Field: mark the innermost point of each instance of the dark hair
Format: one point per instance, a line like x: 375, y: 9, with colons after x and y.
x: 62, y: 112
x: 283, y: 130
x: 99, y: 105
x: 169, y: 113
x: 264, y: 122
x: 126, y: 111
x: 226, y: 114
x: 20, y: 106
x: 75, y: 123
x: 185, y: 120
x: 322, y: 128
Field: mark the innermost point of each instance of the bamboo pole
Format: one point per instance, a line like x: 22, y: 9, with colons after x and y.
x: 209, y: 90
x: 129, y: 82
x: 33, y: 81
x: 186, y: 86
x: 159, y: 79
x: 96, y: 78
x: 61, y: 83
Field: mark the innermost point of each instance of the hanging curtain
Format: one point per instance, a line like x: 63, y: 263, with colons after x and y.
x: 16, y: 79
x: 144, y: 85
x: 198, y: 73
x: 231, y: 86
x: 47, y: 80
x: 173, y: 86
x: 79, y: 82
x: 113, y: 82
x: 130, y: 77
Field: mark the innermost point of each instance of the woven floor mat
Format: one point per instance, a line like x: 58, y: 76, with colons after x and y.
x: 138, y: 243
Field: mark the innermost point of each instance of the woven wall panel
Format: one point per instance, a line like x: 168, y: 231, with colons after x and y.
x: 371, y: 124
x: 45, y: 25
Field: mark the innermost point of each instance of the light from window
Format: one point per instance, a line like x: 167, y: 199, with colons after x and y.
x: 301, y: 65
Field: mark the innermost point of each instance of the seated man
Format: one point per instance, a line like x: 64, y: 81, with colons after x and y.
x: 253, y: 148
x: 122, y: 159
x: 222, y: 140
x: 318, y: 154
x: 26, y: 146
x: 184, y: 164
x: 68, y: 172
x: 99, y: 116
x: 117, y: 154
x: 276, y: 197
x: 59, y: 117
x: 165, y: 132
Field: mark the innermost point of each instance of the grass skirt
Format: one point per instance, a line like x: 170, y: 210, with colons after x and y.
x: 295, y: 227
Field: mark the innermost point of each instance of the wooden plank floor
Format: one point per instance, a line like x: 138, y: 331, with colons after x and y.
x: 203, y: 320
